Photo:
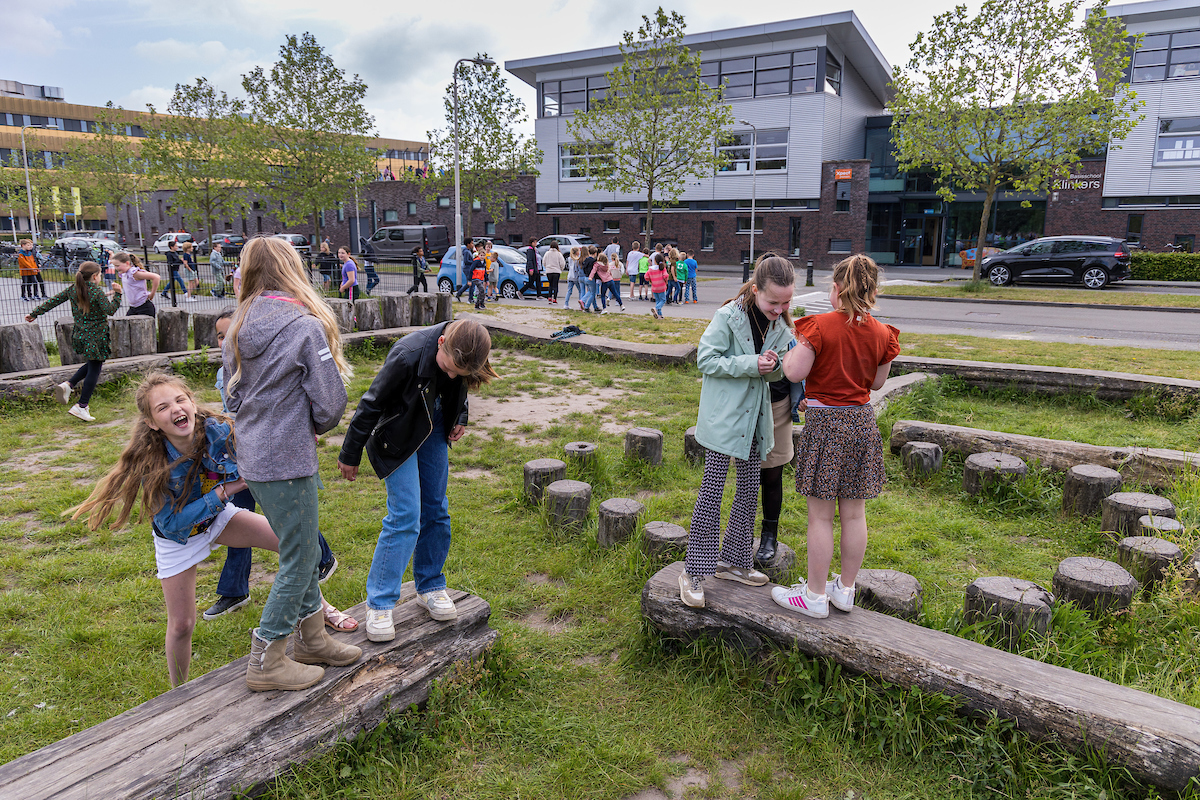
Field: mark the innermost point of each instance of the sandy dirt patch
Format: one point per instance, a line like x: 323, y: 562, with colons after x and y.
x: 696, y: 781
x: 539, y: 620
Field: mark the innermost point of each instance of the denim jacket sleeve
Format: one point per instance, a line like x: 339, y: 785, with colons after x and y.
x: 176, y: 524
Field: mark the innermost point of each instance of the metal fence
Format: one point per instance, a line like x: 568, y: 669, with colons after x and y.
x: 393, y: 277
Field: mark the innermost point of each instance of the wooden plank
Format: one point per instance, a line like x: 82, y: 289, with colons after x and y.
x: 1048, y: 380
x: 213, y: 736
x: 1158, y: 740
x: 638, y: 351
x: 1155, y: 466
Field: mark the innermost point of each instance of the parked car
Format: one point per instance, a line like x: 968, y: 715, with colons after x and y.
x: 160, y: 244
x: 511, y: 282
x: 1094, y: 261
x: 565, y: 242
x: 397, y: 242
x: 298, y: 241
x: 231, y: 244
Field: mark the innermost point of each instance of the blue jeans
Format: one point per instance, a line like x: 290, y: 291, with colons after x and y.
x: 291, y: 508
x: 660, y: 299
x: 573, y: 285
x: 417, y: 525
x: 588, y: 289
x: 613, y: 287
x: 372, y: 277
x: 175, y: 277
x: 690, y: 286
x: 235, y: 575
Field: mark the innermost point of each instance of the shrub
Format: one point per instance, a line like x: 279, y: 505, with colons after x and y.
x: 1166, y: 266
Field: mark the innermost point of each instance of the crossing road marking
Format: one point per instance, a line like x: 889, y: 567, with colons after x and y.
x: 813, y: 302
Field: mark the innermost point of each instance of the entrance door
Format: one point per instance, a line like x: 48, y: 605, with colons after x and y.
x: 931, y: 242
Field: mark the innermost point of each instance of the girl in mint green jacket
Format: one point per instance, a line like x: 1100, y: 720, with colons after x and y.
x: 739, y: 355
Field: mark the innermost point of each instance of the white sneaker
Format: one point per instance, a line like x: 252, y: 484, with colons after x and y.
x: 379, y: 625
x: 842, y: 597
x: 438, y: 604
x: 81, y: 412
x: 62, y: 393
x: 191, y: 299
x: 691, y: 590
x: 798, y: 598
x: 750, y: 577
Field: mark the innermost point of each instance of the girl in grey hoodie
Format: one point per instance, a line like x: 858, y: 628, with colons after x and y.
x: 284, y: 356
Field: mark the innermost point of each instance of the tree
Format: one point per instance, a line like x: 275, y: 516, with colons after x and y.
x: 202, y: 149
x: 312, y: 130
x: 106, y: 165
x: 1009, y: 99
x: 491, y: 152
x: 655, y: 128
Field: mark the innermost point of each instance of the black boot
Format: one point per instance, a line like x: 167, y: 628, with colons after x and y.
x: 766, y: 543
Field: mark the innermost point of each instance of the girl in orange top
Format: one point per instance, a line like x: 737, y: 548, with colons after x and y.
x: 842, y: 355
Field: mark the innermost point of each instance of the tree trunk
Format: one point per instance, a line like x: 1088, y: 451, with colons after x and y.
x: 316, y: 242
x: 649, y: 216
x: 983, y: 228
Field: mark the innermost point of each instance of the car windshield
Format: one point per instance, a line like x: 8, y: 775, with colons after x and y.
x: 584, y: 240
x: 509, y: 255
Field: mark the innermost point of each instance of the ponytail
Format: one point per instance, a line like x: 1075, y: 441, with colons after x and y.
x: 83, y: 279
x: 857, y: 278
x: 771, y: 270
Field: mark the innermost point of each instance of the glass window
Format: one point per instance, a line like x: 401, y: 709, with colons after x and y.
x: 1185, y: 62
x: 805, y: 57
x: 1133, y: 229
x: 489, y: 229
x: 774, y: 60
x: 839, y: 245
x: 443, y: 202
x: 391, y: 215
x: 1178, y: 141
x: 743, y: 224
x: 833, y: 75
x: 736, y: 148
x: 708, y: 235
x: 1167, y: 55
x: 581, y: 160
x: 412, y: 209
x: 396, y: 234
x: 1185, y: 39
x: 770, y: 154
x: 550, y: 95
x: 710, y: 68
x: 737, y: 65
x: 771, y: 81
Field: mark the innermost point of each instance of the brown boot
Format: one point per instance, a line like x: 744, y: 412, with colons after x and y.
x: 315, y: 646
x: 270, y: 668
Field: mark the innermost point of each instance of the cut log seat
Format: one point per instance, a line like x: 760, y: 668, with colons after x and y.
x: 213, y: 736
x: 1158, y: 740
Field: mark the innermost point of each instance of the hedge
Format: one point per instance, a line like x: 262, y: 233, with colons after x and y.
x: 1166, y: 266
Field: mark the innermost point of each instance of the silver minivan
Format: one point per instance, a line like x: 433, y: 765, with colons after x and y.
x: 397, y: 242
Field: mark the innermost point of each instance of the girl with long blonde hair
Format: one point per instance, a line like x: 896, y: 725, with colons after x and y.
x: 288, y: 383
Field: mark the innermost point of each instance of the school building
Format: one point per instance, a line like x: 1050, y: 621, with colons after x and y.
x: 816, y: 159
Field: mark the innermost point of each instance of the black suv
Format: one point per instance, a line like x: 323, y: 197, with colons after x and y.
x: 1094, y: 261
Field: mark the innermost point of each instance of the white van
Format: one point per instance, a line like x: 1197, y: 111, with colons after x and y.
x: 160, y: 244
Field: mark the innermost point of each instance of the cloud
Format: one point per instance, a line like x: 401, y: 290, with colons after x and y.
x: 138, y: 99
x: 173, y: 51
x: 30, y: 31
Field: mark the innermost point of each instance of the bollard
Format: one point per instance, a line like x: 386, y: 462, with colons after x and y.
x: 808, y: 276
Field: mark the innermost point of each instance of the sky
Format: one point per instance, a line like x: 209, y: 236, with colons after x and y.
x: 134, y: 52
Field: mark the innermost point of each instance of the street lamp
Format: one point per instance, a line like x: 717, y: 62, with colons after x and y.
x: 28, y: 189
x: 753, y: 194
x: 458, y: 234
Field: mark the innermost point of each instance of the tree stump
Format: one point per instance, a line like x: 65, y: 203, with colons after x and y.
x: 540, y: 473
x: 1086, y: 486
x: 22, y: 348
x: 172, y: 330
x: 62, y: 334
x: 644, y: 444
x: 982, y: 469
x: 664, y: 539
x: 581, y: 456
x: 443, y: 310
x: 567, y: 503
x: 921, y: 458
x: 1094, y: 584
x: 343, y: 312
x: 423, y: 308
x: 618, y: 520
x: 1151, y: 525
x: 204, y: 329
x: 778, y: 569
x: 693, y: 451
x: 396, y: 310
x: 1191, y: 574
x: 1121, y: 512
x: 367, y: 315
x: 889, y: 591
x: 132, y: 336
x: 1147, y: 558
x: 1021, y: 606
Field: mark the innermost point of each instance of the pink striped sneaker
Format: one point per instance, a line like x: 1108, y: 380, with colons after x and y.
x: 798, y: 598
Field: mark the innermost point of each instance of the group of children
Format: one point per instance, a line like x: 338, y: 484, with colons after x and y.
x: 744, y: 416
x: 283, y: 375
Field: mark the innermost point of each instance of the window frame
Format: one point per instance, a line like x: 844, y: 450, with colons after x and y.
x: 1189, y: 156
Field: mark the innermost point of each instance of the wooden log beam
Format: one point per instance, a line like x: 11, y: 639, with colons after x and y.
x: 1157, y: 467
x: 212, y: 736
x: 1158, y: 740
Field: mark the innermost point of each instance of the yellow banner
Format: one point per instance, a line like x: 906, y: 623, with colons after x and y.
x: 54, y: 200
x: 77, y: 200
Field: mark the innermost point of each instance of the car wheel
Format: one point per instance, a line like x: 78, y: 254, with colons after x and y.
x: 1095, y: 278
x: 999, y: 275
x: 445, y: 286
x: 508, y: 290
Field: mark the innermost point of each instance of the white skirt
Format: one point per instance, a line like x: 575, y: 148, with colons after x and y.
x: 173, y: 558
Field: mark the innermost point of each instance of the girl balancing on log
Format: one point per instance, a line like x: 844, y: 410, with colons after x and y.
x: 738, y: 356
x: 843, y: 354
x: 183, y: 461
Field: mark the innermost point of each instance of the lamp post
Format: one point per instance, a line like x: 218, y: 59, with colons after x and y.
x: 753, y: 195
x: 458, y: 234
x: 28, y: 189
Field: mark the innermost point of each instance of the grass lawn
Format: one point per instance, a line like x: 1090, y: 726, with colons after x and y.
x: 986, y: 291
x: 579, y: 699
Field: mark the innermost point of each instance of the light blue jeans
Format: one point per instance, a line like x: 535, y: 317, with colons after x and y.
x: 660, y: 299
x: 573, y: 285
x: 417, y: 525
x: 588, y: 288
